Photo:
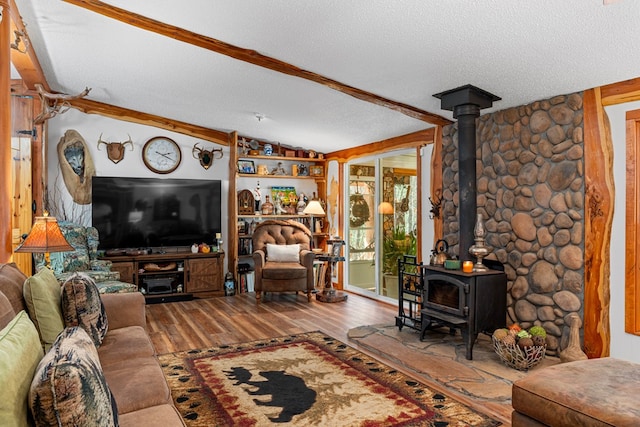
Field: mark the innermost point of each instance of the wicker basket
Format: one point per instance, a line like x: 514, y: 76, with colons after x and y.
x: 518, y: 358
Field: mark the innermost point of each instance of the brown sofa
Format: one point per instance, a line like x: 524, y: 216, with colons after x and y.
x: 126, y: 356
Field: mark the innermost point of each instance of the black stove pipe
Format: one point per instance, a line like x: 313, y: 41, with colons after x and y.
x: 466, y: 115
x: 466, y: 103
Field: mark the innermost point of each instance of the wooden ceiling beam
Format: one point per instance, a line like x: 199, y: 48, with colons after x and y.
x: 621, y: 92
x: 26, y: 63
x: 410, y: 140
x: 253, y: 57
x: 88, y: 106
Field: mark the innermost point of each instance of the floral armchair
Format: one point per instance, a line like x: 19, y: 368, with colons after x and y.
x: 84, y: 259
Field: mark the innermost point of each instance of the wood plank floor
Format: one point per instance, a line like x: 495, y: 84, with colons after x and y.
x: 203, y: 323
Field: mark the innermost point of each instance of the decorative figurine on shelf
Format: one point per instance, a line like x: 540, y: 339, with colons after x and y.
x: 302, y: 203
x: 257, y: 196
x: 267, y: 206
x: 279, y: 209
x: 279, y: 170
x: 244, y: 146
x: 195, y: 248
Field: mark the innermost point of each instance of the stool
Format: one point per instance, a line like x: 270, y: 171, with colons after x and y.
x: 595, y: 392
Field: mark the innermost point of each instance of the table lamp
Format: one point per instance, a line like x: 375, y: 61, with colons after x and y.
x: 314, y: 208
x: 45, y: 237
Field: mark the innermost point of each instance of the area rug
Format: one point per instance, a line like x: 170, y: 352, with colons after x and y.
x: 306, y: 379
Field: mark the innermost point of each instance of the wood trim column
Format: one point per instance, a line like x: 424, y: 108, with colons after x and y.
x: 632, y: 225
x: 436, y: 183
x: 599, y: 203
x: 6, y: 251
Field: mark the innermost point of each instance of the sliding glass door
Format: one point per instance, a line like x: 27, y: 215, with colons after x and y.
x: 382, y: 209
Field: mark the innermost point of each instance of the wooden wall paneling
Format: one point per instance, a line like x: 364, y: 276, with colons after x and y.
x: 6, y: 251
x: 599, y: 204
x: 22, y: 218
x: 632, y: 214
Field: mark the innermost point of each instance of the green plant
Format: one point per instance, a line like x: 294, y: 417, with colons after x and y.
x: 395, y: 245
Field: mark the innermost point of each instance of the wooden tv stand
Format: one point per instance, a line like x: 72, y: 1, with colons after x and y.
x: 161, y: 276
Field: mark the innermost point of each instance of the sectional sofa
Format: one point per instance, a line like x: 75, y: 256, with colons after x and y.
x: 71, y: 356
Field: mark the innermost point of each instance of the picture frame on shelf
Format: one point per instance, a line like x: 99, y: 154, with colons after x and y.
x: 246, y: 166
x: 336, y: 248
x: 315, y: 170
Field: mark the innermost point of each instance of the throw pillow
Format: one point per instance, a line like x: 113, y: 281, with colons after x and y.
x: 11, y: 281
x: 42, y: 296
x: 82, y: 306
x: 20, y: 352
x: 69, y: 387
x: 283, y: 253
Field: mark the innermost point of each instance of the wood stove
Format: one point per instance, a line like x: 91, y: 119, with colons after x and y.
x: 471, y: 302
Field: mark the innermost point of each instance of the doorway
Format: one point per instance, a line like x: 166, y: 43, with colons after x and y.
x: 382, y: 207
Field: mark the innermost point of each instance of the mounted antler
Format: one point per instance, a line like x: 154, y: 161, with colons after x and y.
x: 115, y: 150
x: 205, y: 156
x: 52, y: 103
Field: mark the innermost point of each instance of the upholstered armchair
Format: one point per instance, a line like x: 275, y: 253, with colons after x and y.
x: 282, y: 257
x: 84, y: 259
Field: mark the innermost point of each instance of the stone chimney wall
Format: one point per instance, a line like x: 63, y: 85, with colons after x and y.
x: 530, y: 192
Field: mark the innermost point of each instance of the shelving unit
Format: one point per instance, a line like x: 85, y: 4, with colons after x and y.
x: 410, y: 286
x: 239, y: 243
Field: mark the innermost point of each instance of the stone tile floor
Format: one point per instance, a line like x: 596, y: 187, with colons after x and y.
x: 483, y: 383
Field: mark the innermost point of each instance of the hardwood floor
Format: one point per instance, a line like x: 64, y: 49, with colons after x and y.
x: 202, y: 323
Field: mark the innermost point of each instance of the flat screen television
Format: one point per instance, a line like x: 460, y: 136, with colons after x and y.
x: 155, y: 212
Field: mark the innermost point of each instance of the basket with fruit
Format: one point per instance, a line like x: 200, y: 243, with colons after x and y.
x: 519, y: 348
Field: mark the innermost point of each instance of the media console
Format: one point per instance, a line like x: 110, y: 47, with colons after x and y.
x: 174, y: 276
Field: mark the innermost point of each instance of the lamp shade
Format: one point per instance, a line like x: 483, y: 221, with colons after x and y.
x: 313, y: 208
x: 45, y: 236
x: 385, y: 208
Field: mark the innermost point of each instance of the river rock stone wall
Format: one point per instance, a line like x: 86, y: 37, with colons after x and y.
x: 530, y: 185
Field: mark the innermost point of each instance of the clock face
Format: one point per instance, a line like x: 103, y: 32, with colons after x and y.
x: 161, y: 154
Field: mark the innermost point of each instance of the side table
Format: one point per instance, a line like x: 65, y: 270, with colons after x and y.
x: 329, y: 293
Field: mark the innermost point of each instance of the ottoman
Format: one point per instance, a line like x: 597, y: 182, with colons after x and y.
x: 595, y: 392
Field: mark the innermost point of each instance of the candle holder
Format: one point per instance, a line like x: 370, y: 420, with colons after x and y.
x: 479, y: 250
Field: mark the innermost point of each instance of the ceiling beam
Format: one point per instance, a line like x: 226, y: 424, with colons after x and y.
x: 253, y: 57
x: 26, y: 63
x: 88, y: 106
x: 621, y: 92
x: 410, y: 140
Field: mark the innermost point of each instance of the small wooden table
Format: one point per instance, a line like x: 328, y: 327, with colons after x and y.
x: 329, y: 293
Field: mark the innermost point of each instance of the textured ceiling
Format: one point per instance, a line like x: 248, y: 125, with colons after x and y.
x: 405, y: 51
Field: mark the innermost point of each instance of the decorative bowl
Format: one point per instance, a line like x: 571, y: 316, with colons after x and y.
x: 519, y: 358
x: 452, y: 264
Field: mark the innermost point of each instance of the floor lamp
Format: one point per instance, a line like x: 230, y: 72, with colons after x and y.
x: 45, y: 237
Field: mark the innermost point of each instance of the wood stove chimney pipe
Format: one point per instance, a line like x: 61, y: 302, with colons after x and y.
x: 466, y: 103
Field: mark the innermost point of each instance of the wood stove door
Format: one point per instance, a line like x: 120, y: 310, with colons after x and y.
x: 446, y: 294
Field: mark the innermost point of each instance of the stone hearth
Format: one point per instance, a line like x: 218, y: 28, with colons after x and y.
x: 530, y: 191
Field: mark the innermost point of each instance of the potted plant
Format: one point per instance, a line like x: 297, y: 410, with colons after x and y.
x: 394, y: 246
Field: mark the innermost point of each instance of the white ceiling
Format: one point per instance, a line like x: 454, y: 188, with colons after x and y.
x: 403, y: 50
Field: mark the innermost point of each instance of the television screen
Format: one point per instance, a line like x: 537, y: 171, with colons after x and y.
x: 154, y: 212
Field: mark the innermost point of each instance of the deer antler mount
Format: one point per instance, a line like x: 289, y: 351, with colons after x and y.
x: 206, y: 157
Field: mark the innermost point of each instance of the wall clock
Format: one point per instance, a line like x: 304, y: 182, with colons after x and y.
x: 161, y: 154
